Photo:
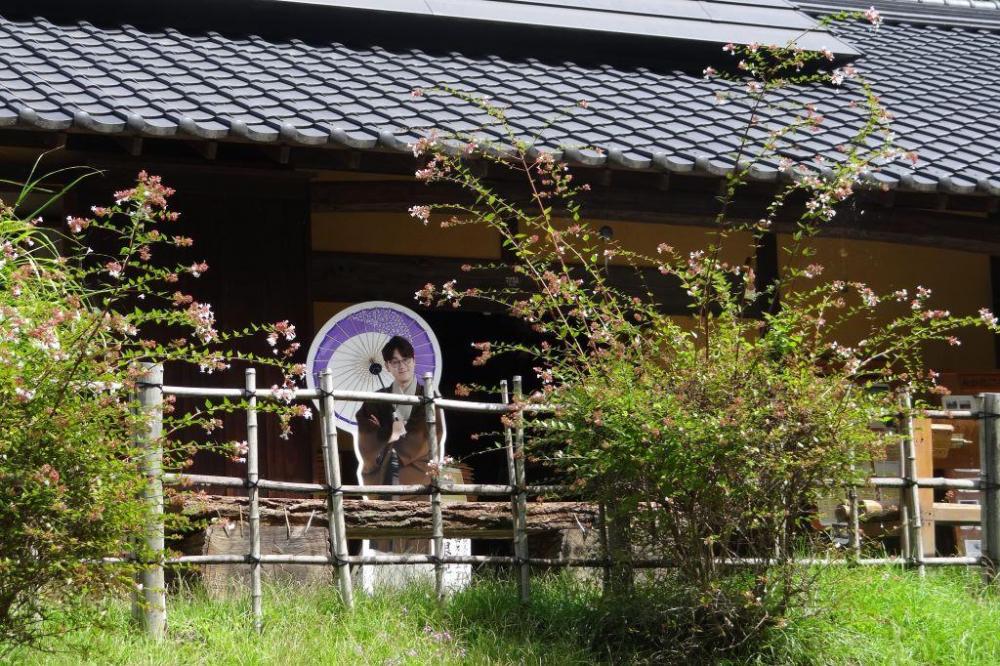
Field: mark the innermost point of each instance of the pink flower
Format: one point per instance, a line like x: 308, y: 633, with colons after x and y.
x: 709, y: 72
x: 583, y: 104
x: 988, y: 317
x: 76, y: 224
x: 848, y: 71
x: 23, y: 395
x: 283, y: 393
x: 873, y: 16
x: 239, y: 451
x: 196, y: 269
x: 424, y: 144
x: 286, y: 329
x: 827, y: 53
x: 114, y: 269
x: 729, y: 48
x: 422, y: 213
x: 813, y: 270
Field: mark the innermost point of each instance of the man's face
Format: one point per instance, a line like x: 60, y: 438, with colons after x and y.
x: 401, y: 368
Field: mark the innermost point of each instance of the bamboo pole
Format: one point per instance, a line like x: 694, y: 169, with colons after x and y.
x: 520, y: 515
x: 989, y: 460
x: 643, y: 563
x: 508, y: 440
x: 335, y: 495
x: 904, y: 510
x: 437, y: 521
x: 153, y: 600
x: 498, y: 490
x: 253, y: 491
x: 913, y: 492
x: 855, y: 543
x: 605, y: 548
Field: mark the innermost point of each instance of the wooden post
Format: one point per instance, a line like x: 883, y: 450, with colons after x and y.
x: 912, y: 491
x: 521, y: 515
x: 253, y: 492
x: 153, y: 600
x: 989, y: 461
x: 335, y: 495
x: 437, y: 522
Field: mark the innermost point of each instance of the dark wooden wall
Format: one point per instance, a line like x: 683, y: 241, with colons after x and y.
x: 254, y: 234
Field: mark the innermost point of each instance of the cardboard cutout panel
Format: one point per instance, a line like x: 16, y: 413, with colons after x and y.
x: 383, y: 347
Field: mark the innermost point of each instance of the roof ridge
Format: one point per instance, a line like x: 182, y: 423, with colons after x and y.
x: 985, y: 17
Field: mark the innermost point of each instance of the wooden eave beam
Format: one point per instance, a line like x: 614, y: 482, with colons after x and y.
x: 863, y: 219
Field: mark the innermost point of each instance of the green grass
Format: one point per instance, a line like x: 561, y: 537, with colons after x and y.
x: 868, y: 616
x: 482, y: 625
x: 887, y: 616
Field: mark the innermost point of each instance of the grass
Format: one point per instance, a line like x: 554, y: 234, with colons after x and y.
x: 888, y: 616
x: 870, y: 616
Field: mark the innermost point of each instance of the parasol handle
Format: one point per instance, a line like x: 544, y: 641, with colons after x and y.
x: 393, y: 467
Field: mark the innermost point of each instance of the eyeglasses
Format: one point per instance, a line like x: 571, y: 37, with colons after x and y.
x: 400, y: 363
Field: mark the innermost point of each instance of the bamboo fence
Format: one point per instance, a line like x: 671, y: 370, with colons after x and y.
x: 151, y: 604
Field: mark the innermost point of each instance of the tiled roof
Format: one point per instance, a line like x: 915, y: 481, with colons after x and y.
x: 942, y: 84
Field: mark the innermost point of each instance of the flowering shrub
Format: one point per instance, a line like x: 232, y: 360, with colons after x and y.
x: 709, y: 441
x: 80, y: 309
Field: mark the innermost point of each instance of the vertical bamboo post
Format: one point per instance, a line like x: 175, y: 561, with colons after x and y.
x: 521, y: 515
x: 602, y: 513
x: 912, y: 491
x: 151, y: 604
x: 437, y: 522
x: 989, y: 461
x: 335, y: 495
x: 904, y: 509
x: 508, y: 440
x: 855, y: 539
x: 253, y: 476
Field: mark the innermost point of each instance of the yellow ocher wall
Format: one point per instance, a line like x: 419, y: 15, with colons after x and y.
x: 960, y: 282
x: 643, y: 238
x: 395, y: 233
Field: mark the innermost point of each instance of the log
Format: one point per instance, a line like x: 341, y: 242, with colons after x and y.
x: 368, y: 519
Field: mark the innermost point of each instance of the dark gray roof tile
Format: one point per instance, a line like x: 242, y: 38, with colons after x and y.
x: 213, y: 86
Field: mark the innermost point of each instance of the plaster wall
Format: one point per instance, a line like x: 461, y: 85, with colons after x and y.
x: 960, y: 282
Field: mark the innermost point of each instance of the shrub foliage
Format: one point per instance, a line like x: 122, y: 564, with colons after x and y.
x: 707, y: 437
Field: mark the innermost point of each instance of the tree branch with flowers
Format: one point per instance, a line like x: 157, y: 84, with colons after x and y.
x: 82, y: 307
x: 713, y: 437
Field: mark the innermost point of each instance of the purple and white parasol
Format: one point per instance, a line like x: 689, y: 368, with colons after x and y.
x: 350, y: 346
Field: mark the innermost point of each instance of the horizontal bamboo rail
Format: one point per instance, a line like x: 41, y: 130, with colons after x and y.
x: 638, y: 563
